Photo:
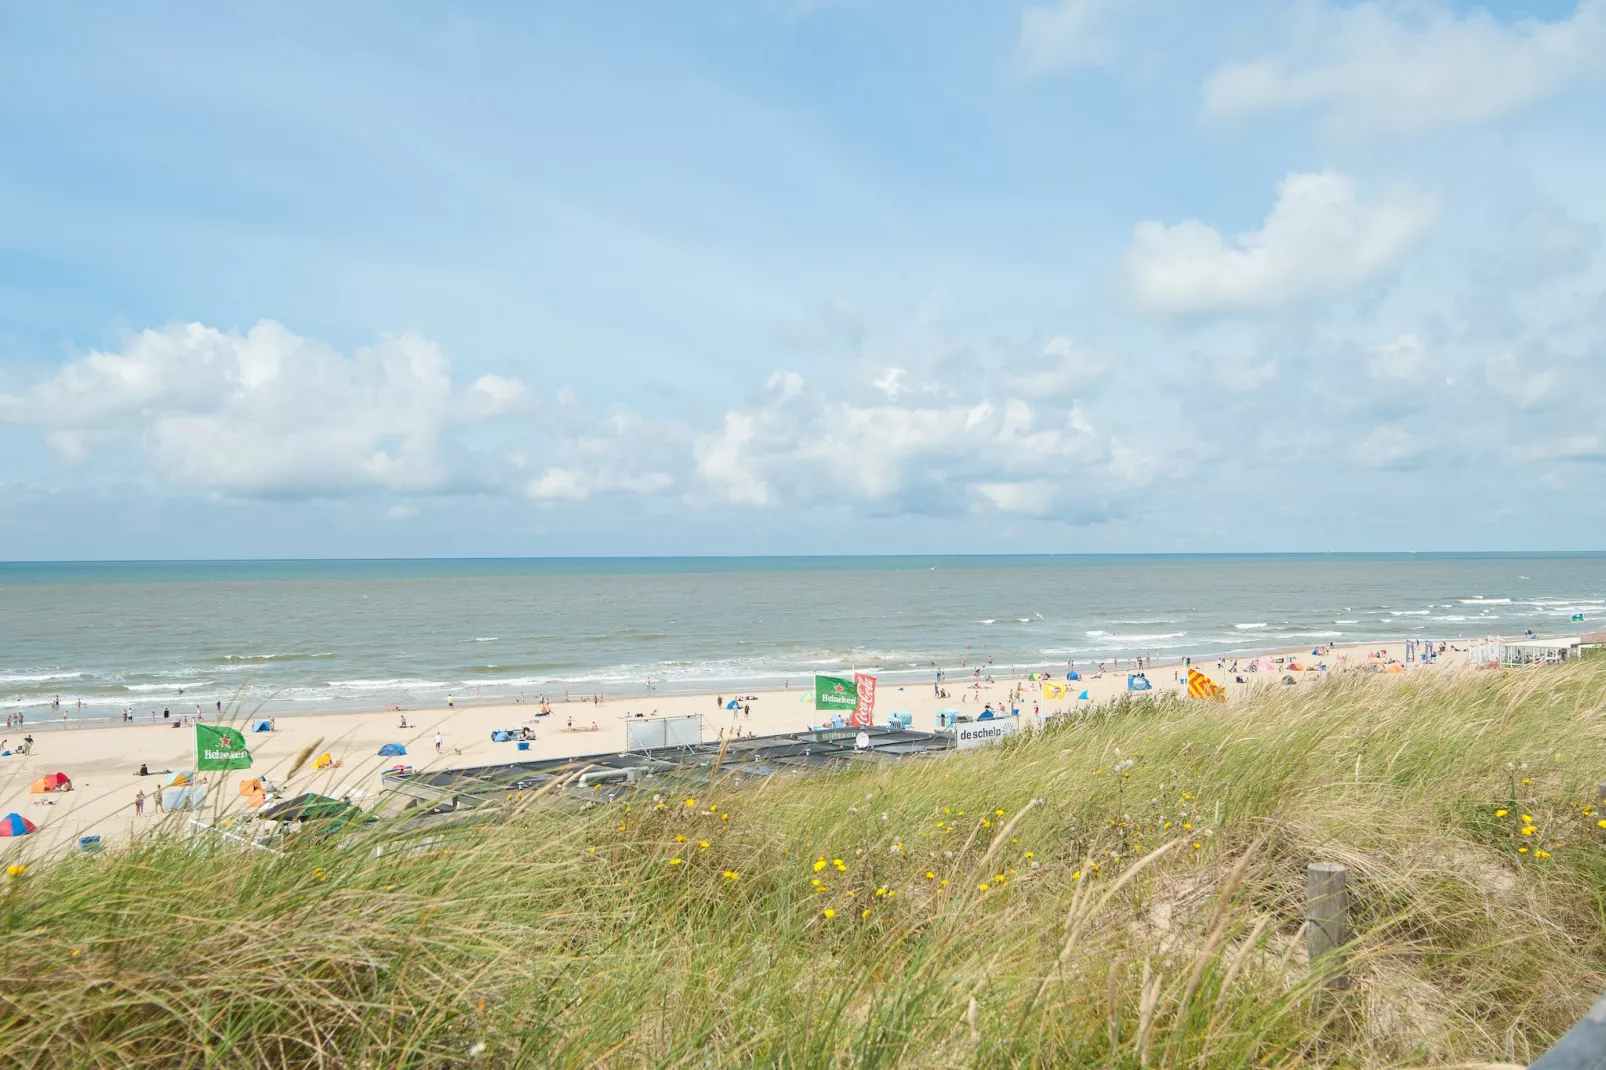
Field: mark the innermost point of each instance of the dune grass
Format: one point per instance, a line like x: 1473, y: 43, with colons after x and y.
x: 1126, y: 890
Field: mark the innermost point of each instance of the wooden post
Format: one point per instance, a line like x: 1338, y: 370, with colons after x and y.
x: 1327, y: 915
x: 1600, y: 794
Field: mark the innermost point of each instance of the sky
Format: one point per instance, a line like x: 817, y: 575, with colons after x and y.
x: 801, y: 276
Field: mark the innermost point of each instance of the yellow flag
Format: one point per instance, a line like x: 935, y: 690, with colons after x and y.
x: 1052, y: 690
x: 1201, y: 686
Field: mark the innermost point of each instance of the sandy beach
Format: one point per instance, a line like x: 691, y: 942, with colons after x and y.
x: 103, y: 763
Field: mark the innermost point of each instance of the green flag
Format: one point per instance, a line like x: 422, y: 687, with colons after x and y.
x: 835, y: 693
x: 220, y: 748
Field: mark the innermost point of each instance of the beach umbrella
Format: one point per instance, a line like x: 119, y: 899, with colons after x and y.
x: 16, y: 825
x: 178, y: 780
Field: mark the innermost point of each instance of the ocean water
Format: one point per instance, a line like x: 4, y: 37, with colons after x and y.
x: 286, y: 636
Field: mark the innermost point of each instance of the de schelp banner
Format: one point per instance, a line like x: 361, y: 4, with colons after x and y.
x: 220, y: 748
x: 864, y: 713
x: 835, y: 693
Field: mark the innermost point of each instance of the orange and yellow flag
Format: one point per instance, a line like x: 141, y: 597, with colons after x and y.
x: 1201, y: 686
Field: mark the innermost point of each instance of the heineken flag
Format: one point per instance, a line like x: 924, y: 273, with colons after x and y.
x: 835, y: 693
x: 220, y: 748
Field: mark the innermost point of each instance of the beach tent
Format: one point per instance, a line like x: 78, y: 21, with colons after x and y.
x: 16, y: 825
x: 307, y: 807
x: 51, y: 782
x: 1296, y: 666
x: 391, y: 750
x: 500, y: 735
x: 732, y: 704
x: 1073, y: 676
x: 262, y: 726
x: 1138, y: 682
x: 1395, y: 668
x: 185, y: 797
x: 323, y: 761
x: 178, y: 780
x: 251, y: 786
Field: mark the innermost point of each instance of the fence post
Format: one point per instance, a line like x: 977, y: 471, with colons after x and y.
x: 1600, y: 794
x: 1327, y: 916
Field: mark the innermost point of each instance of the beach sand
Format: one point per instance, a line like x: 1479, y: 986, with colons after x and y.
x: 103, y: 763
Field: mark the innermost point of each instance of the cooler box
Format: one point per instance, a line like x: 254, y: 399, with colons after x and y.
x: 524, y: 744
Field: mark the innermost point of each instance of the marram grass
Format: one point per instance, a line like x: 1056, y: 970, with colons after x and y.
x: 1124, y: 891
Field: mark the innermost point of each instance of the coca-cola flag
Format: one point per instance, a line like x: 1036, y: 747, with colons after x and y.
x: 864, y: 714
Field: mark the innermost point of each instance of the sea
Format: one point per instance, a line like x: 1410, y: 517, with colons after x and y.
x: 281, y: 637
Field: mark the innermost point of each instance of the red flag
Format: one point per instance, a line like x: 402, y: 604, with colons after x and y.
x: 864, y: 715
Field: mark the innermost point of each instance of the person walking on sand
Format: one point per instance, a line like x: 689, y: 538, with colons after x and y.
x: 139, y: 803
x: 157, y: 796
x: 438, y: 742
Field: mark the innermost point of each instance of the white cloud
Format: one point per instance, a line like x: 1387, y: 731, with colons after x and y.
x: 1062, y: 368
x: 1066, y: 34
x: 266, y: 413
x: 1391, y: 448
x: 1404, y: 358
x: 560, y: 484
x: 934, y: 458
x: 1399, y: 68
x: 1320, y: 240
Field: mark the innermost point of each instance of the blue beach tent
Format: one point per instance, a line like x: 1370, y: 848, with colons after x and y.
x: 1073, y: 676
x: 392, y: 750
x: 732, y: 704
x: 501, y: 736
x: 1138, y: 682
x: 262, y: 726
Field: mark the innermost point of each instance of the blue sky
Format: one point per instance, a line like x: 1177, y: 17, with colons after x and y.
x: 838, y: 276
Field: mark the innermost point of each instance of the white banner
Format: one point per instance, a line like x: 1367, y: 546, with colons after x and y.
x: 981, y: 733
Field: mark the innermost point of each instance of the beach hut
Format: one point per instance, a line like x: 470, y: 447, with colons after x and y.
x: 16, y: 825
x: 392, y: 750
x: 323, y: 761
x: 51, y: 782
x: 262, y: 726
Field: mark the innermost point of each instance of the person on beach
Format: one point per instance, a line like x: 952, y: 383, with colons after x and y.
x: 157, y: 795
x: 139, y: 803
x: 438, y: 742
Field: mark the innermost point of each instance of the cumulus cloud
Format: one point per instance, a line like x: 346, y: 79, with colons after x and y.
x: 1064, y: 35
x: 1396, y: 68
x: 266, y: 413
x: 931, y: 457
x: 1321, y: 239
x: 1403, y: 358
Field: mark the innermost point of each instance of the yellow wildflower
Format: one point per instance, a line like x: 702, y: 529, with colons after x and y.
x: 691, y: 802
x: 1501, y: 813
x: 840, y: 865
x: 703, y: 844
x: 1196, y: 846
x: 1076, y: 876
x: 1522, y: 850
x: 881, y: 891
x: 1541, y: 854
x: 1602, y: 822
x: 998, y: 813
x: 731, y: 874
x: 1031, y: 854
x: 828, y: 913
x: 674, y: 861
x: 865, y: 913
x: 1528, y: 830
x: 819, y: 864
x: 18, y: 869
x: 680, y: 839
x: 1526, y: 820
x: 930, y: 876
x: 983, y: 887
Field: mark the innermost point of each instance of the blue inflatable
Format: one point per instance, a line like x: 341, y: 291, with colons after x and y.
x: 1138, y: 682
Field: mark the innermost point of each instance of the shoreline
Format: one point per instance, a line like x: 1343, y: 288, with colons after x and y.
x: 41, y: 716
x: 102, y: 761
